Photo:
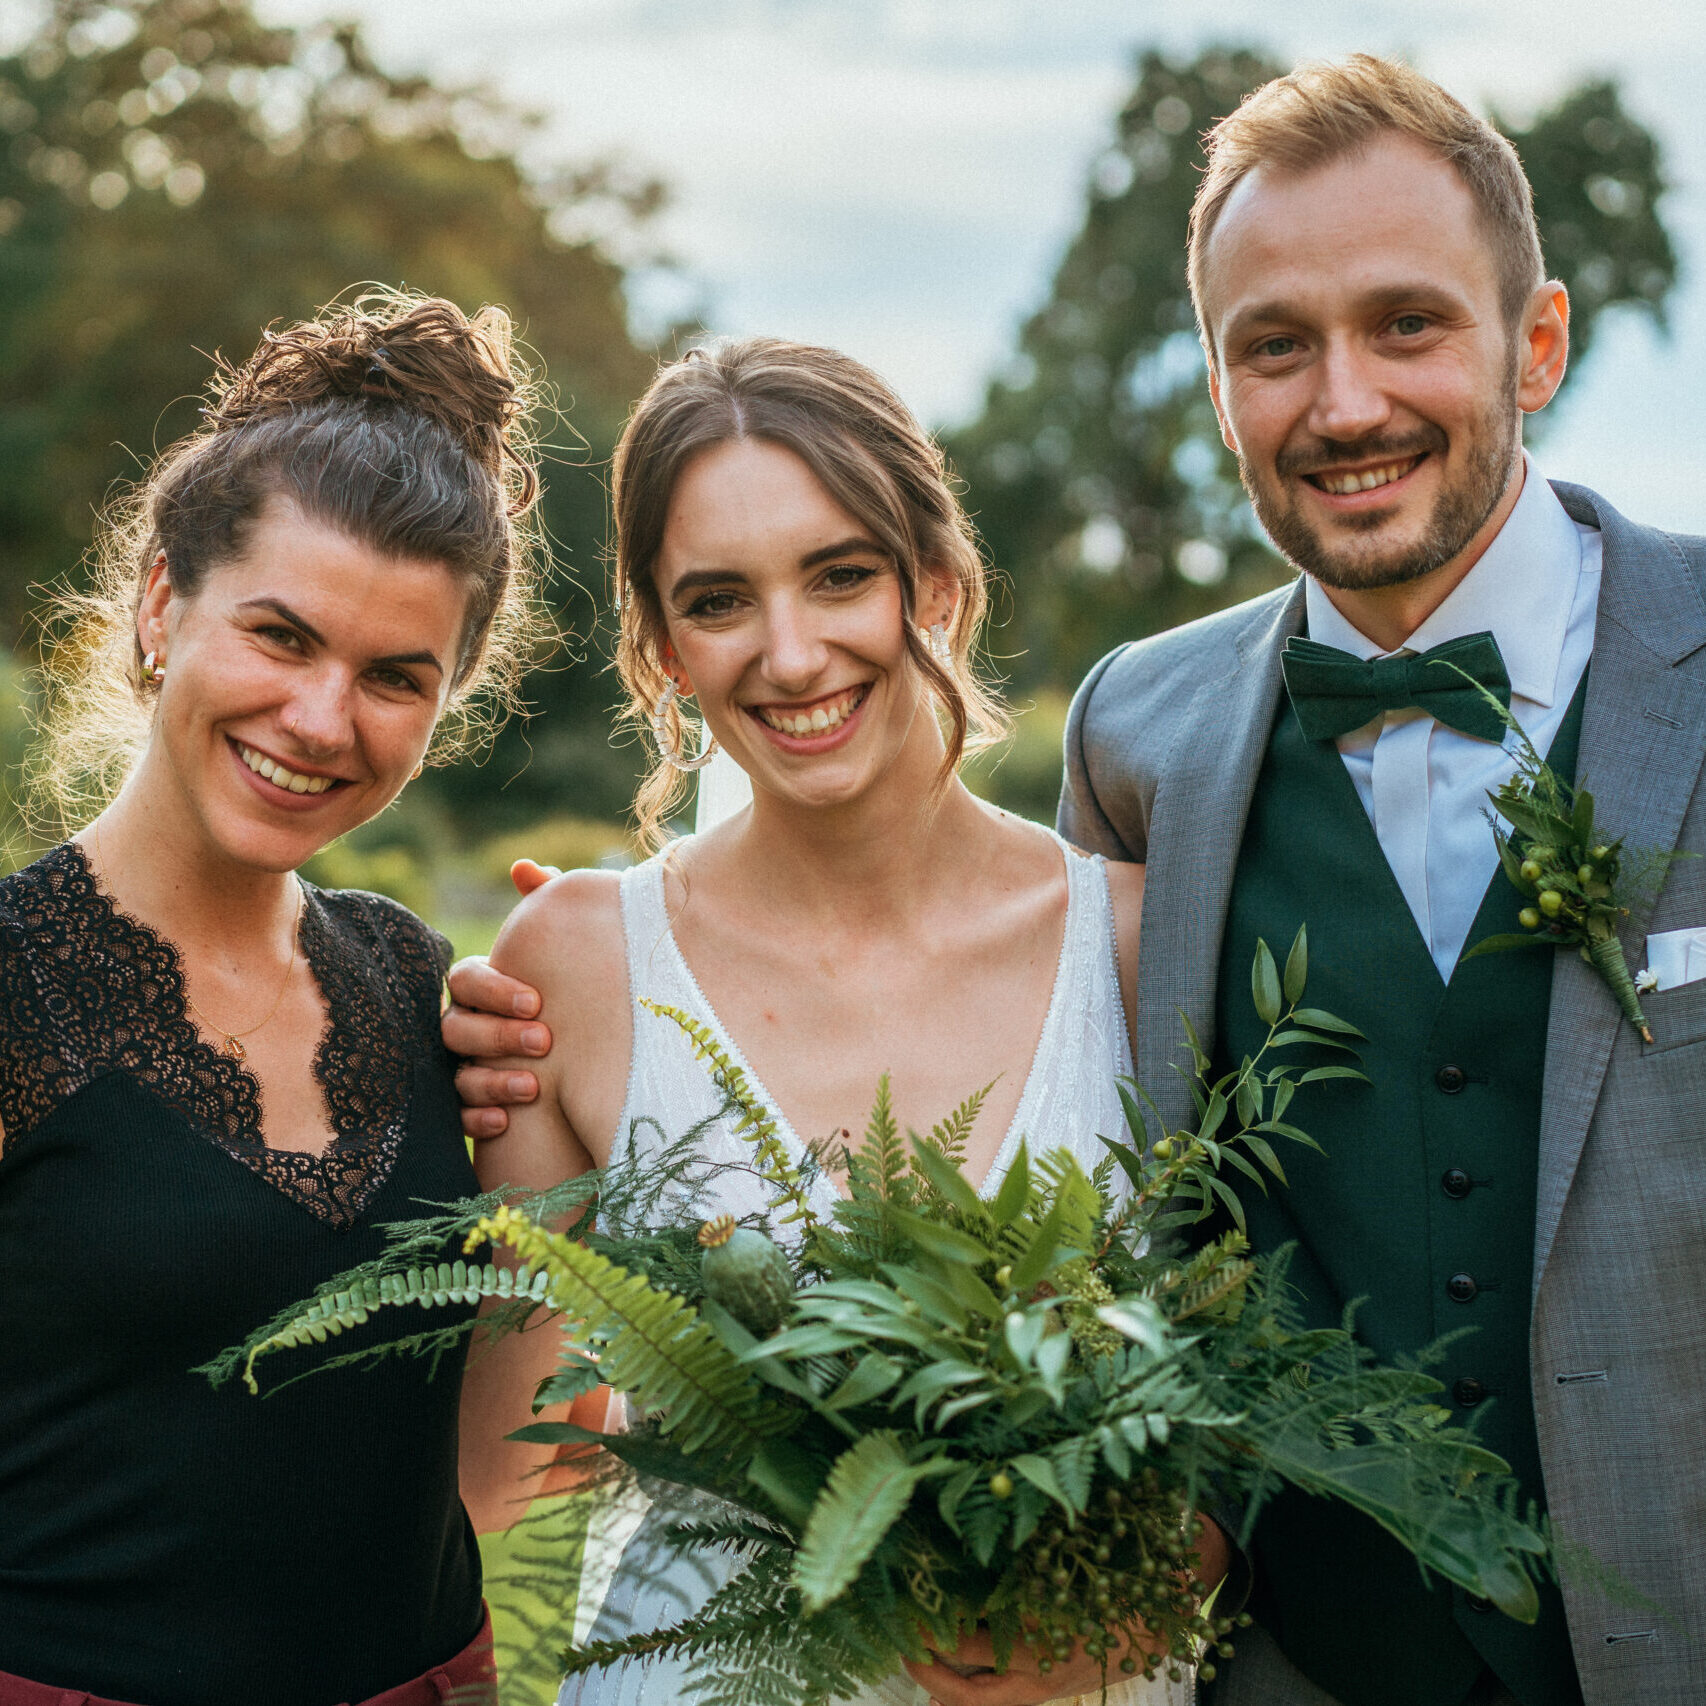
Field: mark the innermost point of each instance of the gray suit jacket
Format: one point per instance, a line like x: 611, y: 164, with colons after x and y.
x: 1163, y: 747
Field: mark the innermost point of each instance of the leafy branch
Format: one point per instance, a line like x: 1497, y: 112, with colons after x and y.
x: 1238, y: 1112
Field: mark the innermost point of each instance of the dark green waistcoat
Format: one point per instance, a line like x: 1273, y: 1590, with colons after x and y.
x: 1422, y: 1206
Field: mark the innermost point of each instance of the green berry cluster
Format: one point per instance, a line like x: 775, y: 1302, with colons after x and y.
x: 1129, y: 1560
x: 1088, y: 1291
x: 1564, y: 884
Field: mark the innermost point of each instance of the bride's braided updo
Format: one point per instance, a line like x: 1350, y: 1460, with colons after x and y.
x: 394, y: 418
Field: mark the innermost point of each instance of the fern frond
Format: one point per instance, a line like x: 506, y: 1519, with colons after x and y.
x: 950, y: 1135
x: 1218, y: 1290
x: 868, y: 1489
x: 421, y: 1288
x: 657, y: 1349
x: 883, y: 1147
x: 754, y: 1123
x: 1063, y: 1183
x: 753, y: 1605
x: 742, y: 1535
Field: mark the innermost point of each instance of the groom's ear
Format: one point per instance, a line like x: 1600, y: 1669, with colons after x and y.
x: 1226, y: 436
x: 1543, y: 351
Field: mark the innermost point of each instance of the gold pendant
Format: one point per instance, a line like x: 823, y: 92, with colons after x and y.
x: 232, y: 1049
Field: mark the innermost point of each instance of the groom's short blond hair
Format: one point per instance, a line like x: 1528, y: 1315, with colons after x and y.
x: 1324, y: 111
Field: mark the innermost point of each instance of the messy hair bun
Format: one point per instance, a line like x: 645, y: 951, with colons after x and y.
x: 393, y: 417
x: 422, y: 352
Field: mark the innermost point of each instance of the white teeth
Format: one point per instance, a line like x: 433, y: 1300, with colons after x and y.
x: 276, y: 773
x: 819, y: 720
x: 1341, y: 485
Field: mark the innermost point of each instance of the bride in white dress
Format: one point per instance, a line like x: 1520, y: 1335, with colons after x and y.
x: 791, y: 557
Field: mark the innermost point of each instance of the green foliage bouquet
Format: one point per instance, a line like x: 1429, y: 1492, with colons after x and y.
x: 931, y: 1411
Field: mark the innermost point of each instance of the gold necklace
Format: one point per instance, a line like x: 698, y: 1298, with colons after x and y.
x: 230, y: 1043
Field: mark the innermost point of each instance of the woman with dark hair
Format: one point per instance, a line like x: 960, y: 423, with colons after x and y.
x: 217, y: 1082
x: 791, y: 555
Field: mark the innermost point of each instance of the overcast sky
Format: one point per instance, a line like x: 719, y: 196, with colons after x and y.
x: 898, y: 177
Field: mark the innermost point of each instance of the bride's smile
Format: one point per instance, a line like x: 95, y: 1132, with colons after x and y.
x: 814, y: 726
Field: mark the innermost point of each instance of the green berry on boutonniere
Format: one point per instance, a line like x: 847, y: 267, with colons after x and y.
x: 1575, y: 885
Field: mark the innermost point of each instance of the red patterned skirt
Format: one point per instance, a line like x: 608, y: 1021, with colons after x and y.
x: 468, y: 1679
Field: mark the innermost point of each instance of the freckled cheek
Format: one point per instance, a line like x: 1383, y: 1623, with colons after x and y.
x: 715, y: 662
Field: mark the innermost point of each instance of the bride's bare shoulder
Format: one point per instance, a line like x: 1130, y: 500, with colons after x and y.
x: 567, y: 935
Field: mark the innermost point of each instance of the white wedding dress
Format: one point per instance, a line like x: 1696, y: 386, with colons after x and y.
x: 631, y: 1578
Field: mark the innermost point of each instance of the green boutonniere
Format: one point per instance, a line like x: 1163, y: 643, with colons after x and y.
x: 1578, y: 885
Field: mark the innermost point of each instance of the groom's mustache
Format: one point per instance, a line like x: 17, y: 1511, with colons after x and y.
x: 1316, y: 457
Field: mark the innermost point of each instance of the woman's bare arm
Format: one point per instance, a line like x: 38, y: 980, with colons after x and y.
x: 566, y: 941
x: 1125, y: 891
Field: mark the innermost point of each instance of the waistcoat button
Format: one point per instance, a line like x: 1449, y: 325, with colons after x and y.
x: 1468, y: 1391
x: 1451, y: 1079
x: 1456, y: 1183
x: 1460, y: 1288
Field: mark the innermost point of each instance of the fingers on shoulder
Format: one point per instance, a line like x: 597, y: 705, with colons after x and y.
x: 573, y: 924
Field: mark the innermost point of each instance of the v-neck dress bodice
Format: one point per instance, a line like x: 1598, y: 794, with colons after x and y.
x: 162, y: 1541
x: 632, y: 1577
x: 1069, y: 1097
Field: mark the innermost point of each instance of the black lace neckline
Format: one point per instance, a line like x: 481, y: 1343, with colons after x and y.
x: 117, y: 1002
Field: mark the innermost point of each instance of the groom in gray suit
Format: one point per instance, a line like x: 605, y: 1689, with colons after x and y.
x: 1368, y: 281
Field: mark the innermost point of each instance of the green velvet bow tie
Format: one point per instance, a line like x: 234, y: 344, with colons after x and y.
x: 1335, y: 692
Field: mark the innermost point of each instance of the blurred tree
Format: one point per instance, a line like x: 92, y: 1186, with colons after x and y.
x: 1096, y: 471
x: 175, y: 174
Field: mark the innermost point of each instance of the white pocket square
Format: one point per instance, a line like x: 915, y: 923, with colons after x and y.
x: 1675, y: 957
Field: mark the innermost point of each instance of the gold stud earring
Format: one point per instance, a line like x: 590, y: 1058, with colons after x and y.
x: 153, y: 668
x: 415, y: 774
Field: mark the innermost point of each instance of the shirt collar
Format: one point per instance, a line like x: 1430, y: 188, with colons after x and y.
x: 1521, y: 591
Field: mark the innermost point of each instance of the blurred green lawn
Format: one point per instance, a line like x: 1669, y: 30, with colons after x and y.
x: 533, y: 1609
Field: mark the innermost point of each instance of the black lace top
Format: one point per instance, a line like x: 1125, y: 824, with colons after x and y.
x: 162, y: 1542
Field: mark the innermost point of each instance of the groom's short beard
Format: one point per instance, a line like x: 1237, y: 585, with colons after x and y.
x: 1459, y: 512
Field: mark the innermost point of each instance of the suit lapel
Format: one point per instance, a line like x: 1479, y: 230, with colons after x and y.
x: 1202, y: 798
x: 1643, y: 742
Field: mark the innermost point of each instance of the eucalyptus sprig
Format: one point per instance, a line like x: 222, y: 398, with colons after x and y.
x: 1573, y: 876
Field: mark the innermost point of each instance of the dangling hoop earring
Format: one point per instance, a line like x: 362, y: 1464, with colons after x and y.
x: 668, y: 750
x: 936, y: 638
x: 153, y: 670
